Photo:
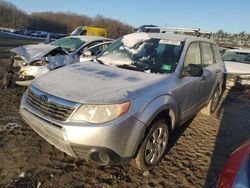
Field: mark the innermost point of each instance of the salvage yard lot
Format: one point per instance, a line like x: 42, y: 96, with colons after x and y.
x: 196, y: 156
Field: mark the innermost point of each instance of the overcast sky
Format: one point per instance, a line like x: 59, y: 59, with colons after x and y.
x: 212, y: 15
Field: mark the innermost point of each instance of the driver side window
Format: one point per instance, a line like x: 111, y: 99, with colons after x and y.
x: 193, y: 55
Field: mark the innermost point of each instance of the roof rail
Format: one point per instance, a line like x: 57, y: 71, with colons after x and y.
x: 206, y: 34
x: 196, y: 31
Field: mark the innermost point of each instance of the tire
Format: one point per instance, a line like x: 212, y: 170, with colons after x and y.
x: 8, y: 79
x: 214, y: 102
x: 153, y: 146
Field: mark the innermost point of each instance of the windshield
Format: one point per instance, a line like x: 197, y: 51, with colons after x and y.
x: 143, y: 54
x: 236, y: 57
x: 68, y: 43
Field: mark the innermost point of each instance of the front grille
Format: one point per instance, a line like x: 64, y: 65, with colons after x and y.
x: 50, y: 108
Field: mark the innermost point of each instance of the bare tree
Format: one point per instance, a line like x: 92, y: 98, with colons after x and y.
x: 11, y: 16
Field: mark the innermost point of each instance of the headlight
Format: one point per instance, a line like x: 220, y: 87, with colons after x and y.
x: 100, y: 113
x: 19, y: 63
x: 39, y: 63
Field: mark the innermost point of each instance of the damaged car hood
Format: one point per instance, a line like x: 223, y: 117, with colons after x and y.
x: 94, y: 83
x: 35, y: 52
x: 237, y: 68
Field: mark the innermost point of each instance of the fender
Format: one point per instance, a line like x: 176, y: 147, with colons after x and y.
x: 156, y: 106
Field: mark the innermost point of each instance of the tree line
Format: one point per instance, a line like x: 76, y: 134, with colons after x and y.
x: 11, y: 16
x: 223, y: 38
x: 59, y: 22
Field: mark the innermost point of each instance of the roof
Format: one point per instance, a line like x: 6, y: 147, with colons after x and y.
x: 179, y: 37
x: 247, y: 50
x: 88, y: 38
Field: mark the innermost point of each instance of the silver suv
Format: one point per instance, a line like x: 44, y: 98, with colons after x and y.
x: 126, y: 103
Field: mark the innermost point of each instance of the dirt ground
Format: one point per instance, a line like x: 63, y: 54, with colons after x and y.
x: 197, y: 151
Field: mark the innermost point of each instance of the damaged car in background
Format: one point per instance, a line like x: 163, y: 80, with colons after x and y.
x: 32, y: 61
x: 237, y: 62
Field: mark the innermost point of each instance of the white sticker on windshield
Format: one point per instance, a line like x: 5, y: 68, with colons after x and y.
x: 170, y: 42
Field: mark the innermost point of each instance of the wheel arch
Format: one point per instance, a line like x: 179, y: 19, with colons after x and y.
x: 164, y: 106
x: 161, y: 107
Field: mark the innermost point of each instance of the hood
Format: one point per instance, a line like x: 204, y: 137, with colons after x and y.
x: 91, y: 82
x: 31, y: 53
x: 237, y: 68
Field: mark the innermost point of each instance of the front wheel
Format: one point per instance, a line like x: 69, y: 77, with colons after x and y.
x: 154, y: 146
x: 8, y: 80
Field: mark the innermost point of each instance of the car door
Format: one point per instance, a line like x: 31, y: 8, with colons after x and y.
x: 93, y: 51
x: 188, y: 91
x: 210, y: 72
x: 78, y: 53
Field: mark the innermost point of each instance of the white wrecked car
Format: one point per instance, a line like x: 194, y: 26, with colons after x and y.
x: 32, y: 61
x: 237, y: 62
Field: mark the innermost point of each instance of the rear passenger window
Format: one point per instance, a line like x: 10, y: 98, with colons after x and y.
x: 193, y: 55
x: 208, y: 58
x: 217, y: 54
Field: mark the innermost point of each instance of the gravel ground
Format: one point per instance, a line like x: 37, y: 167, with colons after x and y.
x: 196, y: 154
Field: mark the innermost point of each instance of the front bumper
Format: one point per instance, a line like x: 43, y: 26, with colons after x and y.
x: 238, y: 81
x: 114, y: 142
x: 24, y: 75
x: 27, y: 73
x: 12, y: 77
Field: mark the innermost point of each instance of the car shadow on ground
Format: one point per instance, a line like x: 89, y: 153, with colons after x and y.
x: 233, y: 131
x: 177, y: 133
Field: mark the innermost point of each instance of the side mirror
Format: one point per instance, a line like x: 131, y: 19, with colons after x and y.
x: 193, y: 70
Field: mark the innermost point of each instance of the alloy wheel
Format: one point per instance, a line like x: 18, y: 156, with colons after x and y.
x: 156, y: 146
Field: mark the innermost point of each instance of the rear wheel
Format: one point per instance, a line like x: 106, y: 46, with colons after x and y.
x: 154, y: 146
x: 214, y: 102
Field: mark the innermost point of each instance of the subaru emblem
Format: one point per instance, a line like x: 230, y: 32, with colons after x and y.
x: 44, y: 98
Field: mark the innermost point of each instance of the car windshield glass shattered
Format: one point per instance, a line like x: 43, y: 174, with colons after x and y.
x: 141, y: 53
x: 68, y: 43
x: 236, y: 57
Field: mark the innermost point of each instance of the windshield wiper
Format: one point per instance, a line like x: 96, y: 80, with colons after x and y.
x: 99, y: 61
x: 131, y: 67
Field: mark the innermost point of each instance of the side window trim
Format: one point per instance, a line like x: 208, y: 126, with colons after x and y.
x: 89, y: 45
x: 93, y: 43
x: 217, y: 59
x: 201, y: 55
x: 214, y: 59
